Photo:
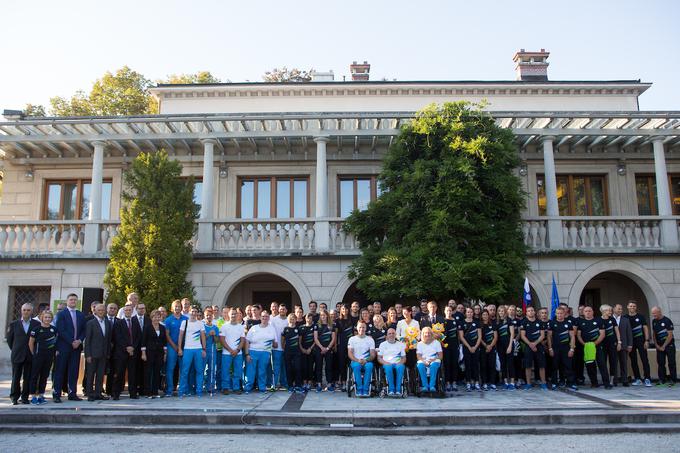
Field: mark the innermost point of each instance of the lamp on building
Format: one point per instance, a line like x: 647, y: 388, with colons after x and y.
x: 28, y: 174
x: 523, y: 169
x: 621, y: 167
x: 223, y: 171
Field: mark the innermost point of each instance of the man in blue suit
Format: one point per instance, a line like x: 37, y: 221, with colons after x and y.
x: 70, y: 326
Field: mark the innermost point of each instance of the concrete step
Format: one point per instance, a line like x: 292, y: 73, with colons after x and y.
x: 153, y: 428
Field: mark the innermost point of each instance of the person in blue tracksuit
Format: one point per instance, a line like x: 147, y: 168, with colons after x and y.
x: 261, y: 338
x: 172, y: 324
x: 192, y: 349
x: 212, y: 338
x: 232, y: 336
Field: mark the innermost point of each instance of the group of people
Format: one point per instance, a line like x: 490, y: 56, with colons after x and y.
x: 192, y: 351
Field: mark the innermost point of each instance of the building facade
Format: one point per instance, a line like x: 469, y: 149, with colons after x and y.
x: 280, y: 165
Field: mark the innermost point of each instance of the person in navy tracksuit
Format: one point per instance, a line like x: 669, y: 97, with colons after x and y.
x: 70, y: 324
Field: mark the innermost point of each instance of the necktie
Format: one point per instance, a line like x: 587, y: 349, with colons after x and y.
x: 129, y: 328
x: 75, y: 325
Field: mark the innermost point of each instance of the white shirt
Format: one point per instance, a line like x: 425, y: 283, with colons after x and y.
x: 193, y: 337
x: 361, y: 347
x: 278, y: 324
x: 402, y: 326
x: 232, y: 334
x: 102, y: 325
x: 121, y: 314
x: 429, y: 351
x: 392, y: 352
x: 618, y: 320
x: 261, y: 338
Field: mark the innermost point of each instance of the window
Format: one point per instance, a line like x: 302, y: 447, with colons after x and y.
x: 577, y: 195
x: 645, y: 189
x: 70, y: 200
x: 19, y: 295
x: 268, y: 197
x: 356, y: 193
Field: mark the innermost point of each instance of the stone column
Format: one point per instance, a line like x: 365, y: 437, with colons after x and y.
x: 205, y: 227
x: 95, y: 204
x: 555, y: 239
x: 669, y: 228
x: 321, y: 226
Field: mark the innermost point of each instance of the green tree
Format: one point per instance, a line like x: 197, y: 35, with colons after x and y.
x: 287, y: 75
x: 448, y: 220
x: 199, y: 77
x: 124, y: 93
x: 152, y: 252
x: 34, y: 110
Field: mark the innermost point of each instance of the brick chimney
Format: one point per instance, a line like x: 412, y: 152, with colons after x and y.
x: 531, y: 66
x: 360, y: 71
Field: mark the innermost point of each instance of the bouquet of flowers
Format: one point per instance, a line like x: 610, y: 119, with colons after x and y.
x: 438, y: 328
x: 411, y: 338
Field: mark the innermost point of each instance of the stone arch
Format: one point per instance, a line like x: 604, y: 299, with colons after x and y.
x: 651, y: 288
x: 341, y: 288
x: 539, y: 288
x: 239, y: 274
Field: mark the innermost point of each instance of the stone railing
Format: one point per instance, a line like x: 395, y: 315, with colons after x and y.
x: 535, y: 233
x: 263, y: 234
x: 340, y: 239
x: 627, y: 233
x: 46, y: 237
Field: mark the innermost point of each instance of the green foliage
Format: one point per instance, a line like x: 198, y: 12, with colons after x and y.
x: 448, y: 221
x: 152, y: 253
x: 34, y: 110
x: 199, y: 77
x: 287, y: 75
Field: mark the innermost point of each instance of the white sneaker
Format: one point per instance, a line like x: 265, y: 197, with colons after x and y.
x: 648, y: 383
x: 636, y: 382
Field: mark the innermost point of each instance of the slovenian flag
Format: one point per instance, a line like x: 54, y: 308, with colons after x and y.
x: 526, y: 296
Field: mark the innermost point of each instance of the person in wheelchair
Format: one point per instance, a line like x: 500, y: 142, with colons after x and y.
x: 429, y: 353
x: 361, y: 352
x: 392, y: 357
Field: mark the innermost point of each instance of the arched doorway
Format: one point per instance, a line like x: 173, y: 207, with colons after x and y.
x: 263, y: 289
x: 613, y: 288
x: 353, y: 293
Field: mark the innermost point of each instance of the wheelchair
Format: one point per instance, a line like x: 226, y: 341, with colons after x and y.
x: 382, y: 383
x: 440, y: 389
x: 372, y: 386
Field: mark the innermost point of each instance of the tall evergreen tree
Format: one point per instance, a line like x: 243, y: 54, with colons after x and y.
x: 448, y: 220
x: 152, y: 252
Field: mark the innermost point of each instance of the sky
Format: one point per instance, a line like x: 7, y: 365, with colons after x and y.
x: 55, y: 48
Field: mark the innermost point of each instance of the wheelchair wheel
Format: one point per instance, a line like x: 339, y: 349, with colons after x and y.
x: 351, y: 387
x: 441, y: 384
x: 405, y: 383
x: 381, y: 383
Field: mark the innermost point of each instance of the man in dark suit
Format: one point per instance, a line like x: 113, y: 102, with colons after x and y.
x: 97, y: 350
x: 143, y: 320
x: 70, y: 335
x: 111, y: 316
x: 17, y: 340
x: 626, y: 336
x: 88, y: 318
x: 127, y: 337
x: 430, y: 317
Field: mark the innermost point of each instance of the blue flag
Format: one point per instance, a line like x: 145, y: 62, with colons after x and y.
x: 555, y: 299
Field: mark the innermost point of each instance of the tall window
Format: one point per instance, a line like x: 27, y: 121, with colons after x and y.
x: 645, y: 189
x: 273, y: 197
x: 577, y: 195
x: 356, y: 193
x: 70, y: 200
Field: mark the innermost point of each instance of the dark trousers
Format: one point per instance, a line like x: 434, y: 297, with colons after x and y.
x: 293, y: 362
x: 487, y: 361
x: 40, y: 370
x: 611, y: 356
x: 323, y: 362
x: 109, y: 376
x: 451, y: 362
x: 661, y: 356
x: 21, y: 372
x: 95, y: 376
x: 623, y: 365
x: 152, y: 372
x: 341, y: 361
x: 507, y: 363
x: 579, y: 364
x: 599, y: 363
x: 471, y: 364
x: 307, y: 366
x: 639, y: 348
x: 68, y: 365
x: 121, y: 365
x: 139, y: 375
x: 562, y: 364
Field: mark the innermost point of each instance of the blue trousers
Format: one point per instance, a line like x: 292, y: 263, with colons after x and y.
x: 210, y: 367
x: 257, y: 365
x: 362, y: 385
x: 192, y: 360
x: 431, y: 385
x: 67, y: 366
x: 278, y: 375
x: 218, y: 369
x: 392, y: 371
x: 171, y: 362
x: 232, y: 372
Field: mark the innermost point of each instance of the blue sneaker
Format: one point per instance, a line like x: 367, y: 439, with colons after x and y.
x: 573, y: 387
x: 543, y: 387
x: 41, y: 400
x: 330, y: 388
x: 527, y: 386
x: 34, y: 400
x: 511, y: 387
x: 318, y: 388
x: 424, y: 390
x: 291, y: 389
